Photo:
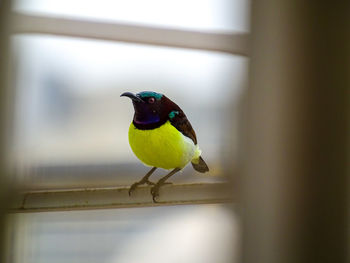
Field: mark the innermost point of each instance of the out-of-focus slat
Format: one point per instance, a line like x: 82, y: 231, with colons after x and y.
x: 294, y: 143
x: 233, y: 43
x: 94, y: 198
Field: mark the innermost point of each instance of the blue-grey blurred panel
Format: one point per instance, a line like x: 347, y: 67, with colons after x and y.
x: 193, y: 234
x: 69, y: 113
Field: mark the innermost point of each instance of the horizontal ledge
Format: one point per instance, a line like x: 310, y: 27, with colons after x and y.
x: 233, y: 43
x: 102, y: 198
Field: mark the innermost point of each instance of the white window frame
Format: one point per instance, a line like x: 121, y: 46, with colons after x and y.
x: 113, y: 197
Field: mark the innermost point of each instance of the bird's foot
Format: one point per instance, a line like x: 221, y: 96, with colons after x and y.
x: 155, y: 190
x: 135, y: 185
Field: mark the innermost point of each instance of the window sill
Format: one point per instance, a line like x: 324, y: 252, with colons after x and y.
x: 117, y: 197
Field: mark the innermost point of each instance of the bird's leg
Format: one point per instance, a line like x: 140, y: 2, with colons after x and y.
x: 144, y: 180
x: 155, y: 188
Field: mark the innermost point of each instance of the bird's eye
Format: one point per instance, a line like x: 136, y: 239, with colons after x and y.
x: 151, y: 100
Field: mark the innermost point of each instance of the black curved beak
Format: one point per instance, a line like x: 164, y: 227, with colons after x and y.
x: 131, y: 96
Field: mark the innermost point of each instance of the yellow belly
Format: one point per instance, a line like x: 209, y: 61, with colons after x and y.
x: 164, y: 147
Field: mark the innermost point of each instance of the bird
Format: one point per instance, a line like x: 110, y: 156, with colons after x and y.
x: 161, y: 136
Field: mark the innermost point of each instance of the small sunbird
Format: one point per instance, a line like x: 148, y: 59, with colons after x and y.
x: 161, y: 136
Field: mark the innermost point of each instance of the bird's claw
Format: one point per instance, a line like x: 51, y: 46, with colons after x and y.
x: 135, y: 185
x: 155, y: 190
x: 155, y: 193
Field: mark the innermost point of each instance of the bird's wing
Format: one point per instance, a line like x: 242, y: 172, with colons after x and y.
x: 182, y: 124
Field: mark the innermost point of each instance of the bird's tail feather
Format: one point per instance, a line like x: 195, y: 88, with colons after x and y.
x: 200, y: 165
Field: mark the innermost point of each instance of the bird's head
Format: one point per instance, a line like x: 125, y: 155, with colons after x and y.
x: 151, y: 108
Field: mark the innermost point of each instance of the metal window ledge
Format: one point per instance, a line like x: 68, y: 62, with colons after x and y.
x: 101, y: 198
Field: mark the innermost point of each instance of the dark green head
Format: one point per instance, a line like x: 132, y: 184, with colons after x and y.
x: 152, y: 109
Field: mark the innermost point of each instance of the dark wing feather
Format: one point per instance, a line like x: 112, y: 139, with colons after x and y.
x: 182, y: 124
